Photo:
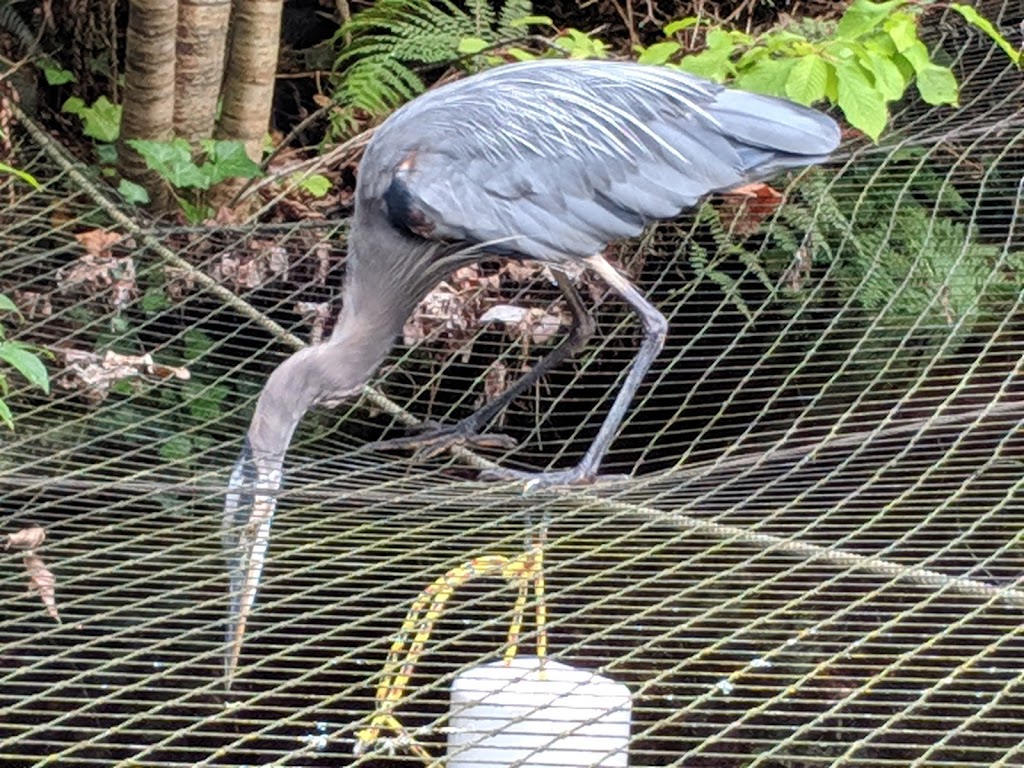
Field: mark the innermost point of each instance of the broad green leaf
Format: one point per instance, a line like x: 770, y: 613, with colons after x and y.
x: 6, y: 305
x: 917, y: 55
x: 101, y: 121
x: 807, y: 80
x: 27, y: 363
x: 658, y: 53
x: 530, y: 21
x: 888, y: 78
x: 973, y: 17
x: 937, y: 85
x: 470, y: 45
x: 229, y: 160
x: 520, y: 54
x: 28, y: 178
x: 197, y: 344
x: 902, y: 30
x: 680, y: 24
x: 154, y: 300
x: 172, y: 160
x: 176, y: 448
x: 316, y: 185
x: 863, y: 16
x: 768, y: 76
x: 860, y: 101
x: 106, y: 154
x: 132, y: 193
x: 5, y: 415
x: 714, y: 64
x: 56, y: 75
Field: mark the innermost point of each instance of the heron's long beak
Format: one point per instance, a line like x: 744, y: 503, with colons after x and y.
x: 248, y: 513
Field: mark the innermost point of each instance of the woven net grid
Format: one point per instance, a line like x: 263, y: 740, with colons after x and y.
x: 817, y: 560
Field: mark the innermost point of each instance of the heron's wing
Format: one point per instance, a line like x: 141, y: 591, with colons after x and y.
x: 554, y: 159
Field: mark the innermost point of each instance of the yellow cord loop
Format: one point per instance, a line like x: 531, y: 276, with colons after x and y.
x: 425, y: 612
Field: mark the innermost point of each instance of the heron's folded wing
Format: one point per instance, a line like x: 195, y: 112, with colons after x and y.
x: 553, y: 160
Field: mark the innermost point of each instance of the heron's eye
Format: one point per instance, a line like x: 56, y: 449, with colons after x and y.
x: 402, y: 211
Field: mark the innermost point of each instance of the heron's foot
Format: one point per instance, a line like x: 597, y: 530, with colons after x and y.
x: 435, y: 438
x: 563, y: 478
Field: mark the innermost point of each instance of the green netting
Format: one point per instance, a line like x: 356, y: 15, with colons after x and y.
x: 817, y: 562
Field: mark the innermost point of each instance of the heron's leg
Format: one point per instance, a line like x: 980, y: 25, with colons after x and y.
x: 655, y: 328
x: 436, y: 438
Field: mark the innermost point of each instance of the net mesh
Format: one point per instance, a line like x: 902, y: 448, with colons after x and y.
x: 817, y: 560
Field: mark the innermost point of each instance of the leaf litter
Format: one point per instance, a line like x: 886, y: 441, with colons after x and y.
x: 41, y: 580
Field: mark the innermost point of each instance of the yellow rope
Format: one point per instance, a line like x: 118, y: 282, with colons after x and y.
x: 425, y: 611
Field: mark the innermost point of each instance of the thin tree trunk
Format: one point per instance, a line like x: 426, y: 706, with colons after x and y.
x: 148, y: 88
x: 202, y: 40
x: 249, y: 80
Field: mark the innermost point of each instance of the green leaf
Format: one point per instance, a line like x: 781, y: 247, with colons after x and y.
x: 229, y: 160
x: 937, y: 85
x: 681, y: 24
x: 658, y: 53
x: 807, y: 80
x: 715, y: 62
x: 888, y: 77
x: 902, y: 30
x: 863, y: 16
x: 132, y: 193
x: 106, y: 154
x: 154, y: 300
x: 5, y: 415
x: 197, y: 344
x: 917, y: 55
x: 27, y: 363
x: 316, y: 185
x: 20, y: 174
x: 768, y: 76
x: 56, y: 75
x: 972, y: 16
x: 6, y: 305
x: 530, y: 21
x: 470, y: 45
x: 860, y: 101
x: 172, y: 160
x: 101, y: 121
x: 176, y: 448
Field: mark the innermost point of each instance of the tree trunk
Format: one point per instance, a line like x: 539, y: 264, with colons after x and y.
x: 148, y: 88
x: 249, y: 80
x: 202, y: 38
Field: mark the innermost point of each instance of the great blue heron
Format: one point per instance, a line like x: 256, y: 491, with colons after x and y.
x: 547, y: 160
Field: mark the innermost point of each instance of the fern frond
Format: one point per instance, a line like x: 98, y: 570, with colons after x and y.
x: 390, y: 38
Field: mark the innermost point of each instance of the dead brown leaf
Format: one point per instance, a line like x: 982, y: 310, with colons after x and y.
x: 527, y: 323
x: 99, y: 268
x: 746, y: 207
x: 98, y: 242
x: 42, y: 582
x: 178, y: 283
x: 268, y: 262
x: 319, y: 312
x: 93, y: 374
x: 33, y: 304
x: 27, y: 538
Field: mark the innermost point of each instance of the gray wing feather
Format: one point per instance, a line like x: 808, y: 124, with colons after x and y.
x: 554, y: 159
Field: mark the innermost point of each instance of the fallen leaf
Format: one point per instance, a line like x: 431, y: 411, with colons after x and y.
x: 42, y: 582
x: 319, y: 312
x: 93, y: 375
x: 98, y: 242
x: 27, y: 538
x: 33, y: 304
x: 96, y: 272
x: 745, y: 208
